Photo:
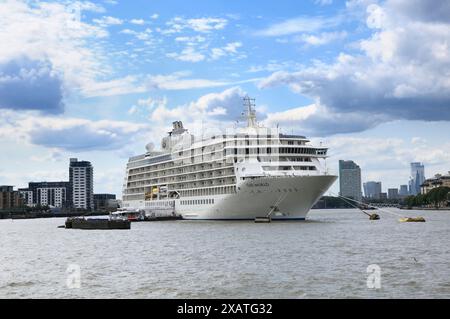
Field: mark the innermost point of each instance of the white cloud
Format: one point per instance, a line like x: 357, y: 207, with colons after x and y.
x: 147, y: 105
x: 106, y: 21
x: 188, y: 54
x: 53, y: 155
x: 191, y: 40
x: 133, y: 110
x: 53, y: 33
x: 299, y: 25
x: 70, y: 134
x: 320, y: 39
x: 317, y: 120
x: 207, y: 24
x: 228, y: 49
x: 141, y: 35
x: 126, y: 85
x: 137, y: 21
x: 202, y: 25
x: 178, y: 81
x: 220, y: 107
x: 391, y: 78
x: 275, y: 65
x: 86, y: 6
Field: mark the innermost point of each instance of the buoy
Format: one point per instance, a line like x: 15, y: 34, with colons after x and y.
x: 412, y: 220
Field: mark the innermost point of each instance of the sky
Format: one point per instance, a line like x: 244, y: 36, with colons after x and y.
x: 98, y: 80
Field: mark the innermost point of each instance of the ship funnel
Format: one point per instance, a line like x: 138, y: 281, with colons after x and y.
x: 178, y: 127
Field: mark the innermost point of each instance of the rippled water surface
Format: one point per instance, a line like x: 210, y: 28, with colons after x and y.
x: 324, y: 257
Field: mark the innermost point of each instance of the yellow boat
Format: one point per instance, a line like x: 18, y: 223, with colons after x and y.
x: 412, y: 220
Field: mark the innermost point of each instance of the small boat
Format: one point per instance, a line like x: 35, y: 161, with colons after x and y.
x: 412, y: 220
x: 131, y: 215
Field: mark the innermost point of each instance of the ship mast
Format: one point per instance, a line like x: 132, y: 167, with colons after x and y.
x: 250, y: 111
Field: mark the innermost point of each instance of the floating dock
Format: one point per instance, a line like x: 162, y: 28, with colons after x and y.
x: 92, y: 224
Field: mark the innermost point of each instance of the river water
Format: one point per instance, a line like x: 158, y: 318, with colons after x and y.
x: 326, y: 256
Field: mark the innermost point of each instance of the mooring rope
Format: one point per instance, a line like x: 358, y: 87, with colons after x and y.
x: 368, y: 205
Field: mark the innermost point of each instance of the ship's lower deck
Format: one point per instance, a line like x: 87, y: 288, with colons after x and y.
x: 284, y: 198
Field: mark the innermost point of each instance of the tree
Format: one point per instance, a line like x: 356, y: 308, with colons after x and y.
x: 438, y: 196
x: 410, y: 201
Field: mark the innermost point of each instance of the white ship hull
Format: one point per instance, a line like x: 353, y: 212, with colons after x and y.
x: 284, y: 198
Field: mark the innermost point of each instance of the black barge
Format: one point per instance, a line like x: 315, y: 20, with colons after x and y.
x: 92, y: 223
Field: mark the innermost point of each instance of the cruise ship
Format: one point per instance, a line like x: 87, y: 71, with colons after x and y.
x: 247, y: 173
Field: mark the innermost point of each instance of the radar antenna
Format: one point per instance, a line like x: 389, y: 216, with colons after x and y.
x: 250, y: 112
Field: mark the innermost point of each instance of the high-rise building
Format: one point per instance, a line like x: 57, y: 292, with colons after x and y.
x: 393, y: 193
x: 350, y: 180
x: 372, y: 190
x: 81, y: 175
x: 403, y: 191
x: 55, y: 194
x: 417, y: 178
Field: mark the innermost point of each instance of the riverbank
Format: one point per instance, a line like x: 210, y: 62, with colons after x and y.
x: 425, y: 208
x: 39, y: 215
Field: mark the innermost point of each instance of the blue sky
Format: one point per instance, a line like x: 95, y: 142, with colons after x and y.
x: 99, y: 80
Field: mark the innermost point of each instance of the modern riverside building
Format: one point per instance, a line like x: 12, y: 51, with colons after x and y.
x: 27, y: 196
x: 372, y: 190
x: 437, y: 181
x: 350, y: 180
x: 9, y: 198
x: 81, y: 175
x: 55, y: 194
x: 403, y: 192
x: 393, y: 193
x: 417, y: 177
